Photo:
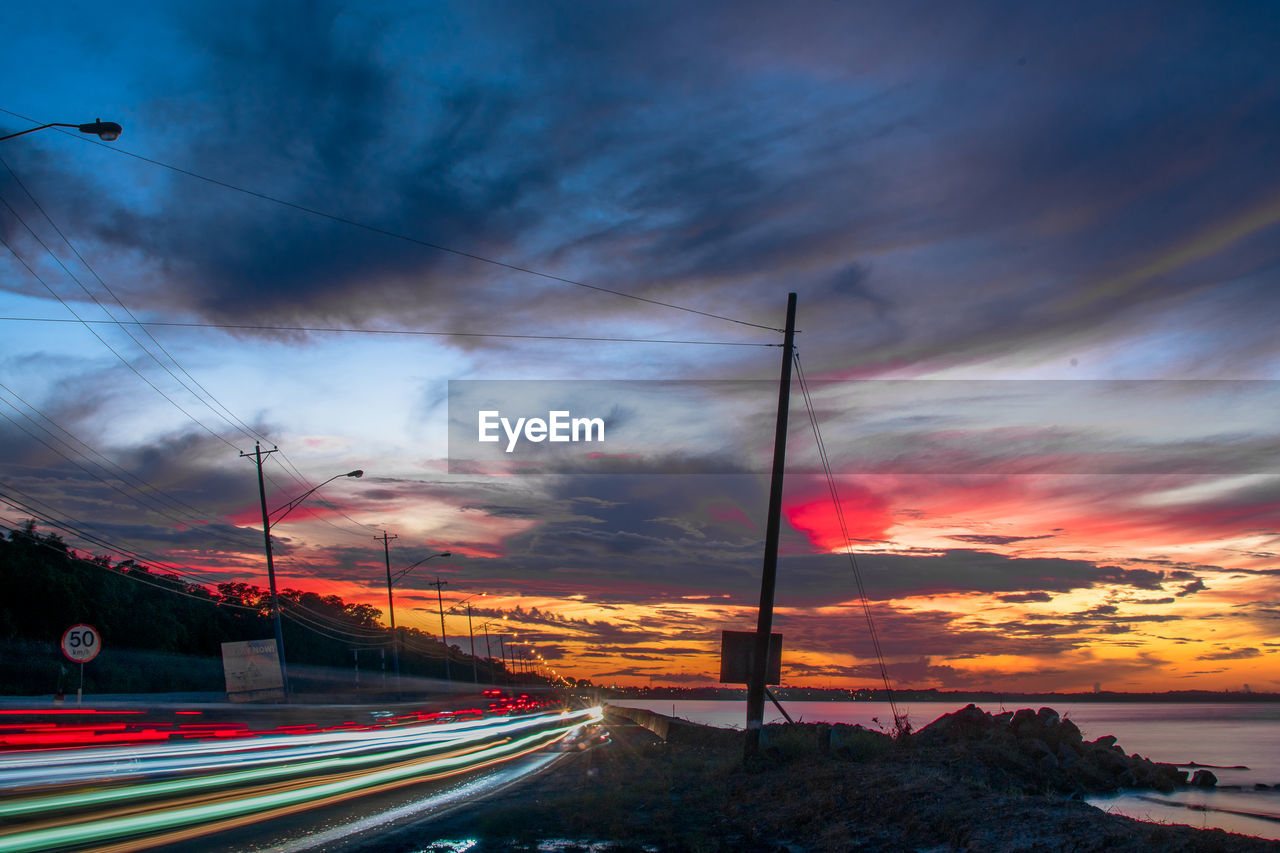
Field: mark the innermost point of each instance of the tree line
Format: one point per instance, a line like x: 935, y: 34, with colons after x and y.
x: 163, y: 633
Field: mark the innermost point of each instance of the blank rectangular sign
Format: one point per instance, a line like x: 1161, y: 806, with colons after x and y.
x: 737, y: 649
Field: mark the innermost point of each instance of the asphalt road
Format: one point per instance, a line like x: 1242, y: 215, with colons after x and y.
x: 397, y: 820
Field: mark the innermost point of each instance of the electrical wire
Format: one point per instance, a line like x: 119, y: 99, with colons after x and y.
x: 326, y: 631
x: 104, y: 462
x: 334, y: 622
x: 146, y: 501
x: 899, y: 721
x: 139, y: 496
x: 228, y: 417
x: 418, y: 332
x: 130, y: 575
x: 406, y: 238
x: 297, y: 476
x: 69, y: 525
x: 435, y: 651
x: 231, y: 421
x: 71, y: 528
x: 103, y: 340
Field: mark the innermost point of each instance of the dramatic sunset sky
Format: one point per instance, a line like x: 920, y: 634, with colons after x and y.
x: 1036, y: 248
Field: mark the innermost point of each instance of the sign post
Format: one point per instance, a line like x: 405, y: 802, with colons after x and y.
x: 81, y: 644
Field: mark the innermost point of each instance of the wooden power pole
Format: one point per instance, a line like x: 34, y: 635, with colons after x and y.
x: 764, y: 621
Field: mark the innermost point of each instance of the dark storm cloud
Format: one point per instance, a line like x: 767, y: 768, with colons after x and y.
x: 904, y: 632
x: 1231, y: 654
x: 991, y: 539
x: 174, y: 496
x: 687, y: 155
x: 959, y: 571
x: 1191, y: 588
x: 622, y: 547
x: 1024, y: 597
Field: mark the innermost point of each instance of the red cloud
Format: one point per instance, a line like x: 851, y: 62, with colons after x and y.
x: 867, y: 516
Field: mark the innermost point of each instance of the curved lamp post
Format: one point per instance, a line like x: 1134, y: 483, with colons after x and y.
x: 471, y: 635
x: 280, y: 512
x: 488, y: 650
x: 391, y: 605
x: 107, y: 131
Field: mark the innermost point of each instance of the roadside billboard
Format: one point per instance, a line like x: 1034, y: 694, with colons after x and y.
x: 252, y: 670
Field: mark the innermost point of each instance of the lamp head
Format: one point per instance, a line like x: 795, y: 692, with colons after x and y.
x: 445, y: 554
x: 107, y: 131
x: 356, y: 473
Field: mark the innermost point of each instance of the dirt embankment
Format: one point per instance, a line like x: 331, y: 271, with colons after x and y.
x: 968, y: 782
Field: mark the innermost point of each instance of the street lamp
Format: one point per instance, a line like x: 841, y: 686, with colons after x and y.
x: 257, y: 456
x: 502, y: 657
x: 391, y: 604
x: 107, y: 131
x: 488, y: 650
x: 471, y: 635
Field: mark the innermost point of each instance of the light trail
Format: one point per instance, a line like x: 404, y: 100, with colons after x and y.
x: 435, y: 804
x: 105, y: 764
x: 145, y: 795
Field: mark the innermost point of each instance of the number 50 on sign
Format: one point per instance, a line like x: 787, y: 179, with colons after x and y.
x: 81, y: 643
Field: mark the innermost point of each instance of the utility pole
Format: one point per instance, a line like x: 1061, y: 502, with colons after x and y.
x: 475, y: 671
x: 502, y: 654
x: 257, y: 456
x: 437, y: 583
x: 764, y: 621
x: 391, y: 605
x: 488, y: 654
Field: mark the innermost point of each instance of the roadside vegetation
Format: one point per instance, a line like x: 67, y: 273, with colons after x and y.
x: 162, y: 632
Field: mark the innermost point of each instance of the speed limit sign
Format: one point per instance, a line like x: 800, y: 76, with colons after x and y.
x: 81, y: 643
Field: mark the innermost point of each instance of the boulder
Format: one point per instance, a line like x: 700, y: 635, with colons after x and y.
x: 1048, y: 718
x: 1108, y: 761
x: 1069, y: 733
x: 1164, y: 777
x: 968, y: 723
x: 1022, y: 718
x: 1203, y: 779
x: 1088, y: 778
x: 1036, y: 749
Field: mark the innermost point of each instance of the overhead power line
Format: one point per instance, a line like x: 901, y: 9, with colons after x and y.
x: 203, y: 392
x: 359, y: 331
x: 89, y: 325
x: 898, y: 721
x: 408, y: 239
x: 13, y: 526
x: 229, y: 417
x: 72, y: 444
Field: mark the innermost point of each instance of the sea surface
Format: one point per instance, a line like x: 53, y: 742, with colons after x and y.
x: 1241, y: 740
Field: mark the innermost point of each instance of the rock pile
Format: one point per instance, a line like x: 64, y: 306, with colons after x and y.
x: 1039, y: 751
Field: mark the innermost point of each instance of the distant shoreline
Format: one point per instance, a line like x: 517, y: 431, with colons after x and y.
x: 805, y: 694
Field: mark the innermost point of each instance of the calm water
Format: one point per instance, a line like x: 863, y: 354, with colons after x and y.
x: 1224, y: 734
